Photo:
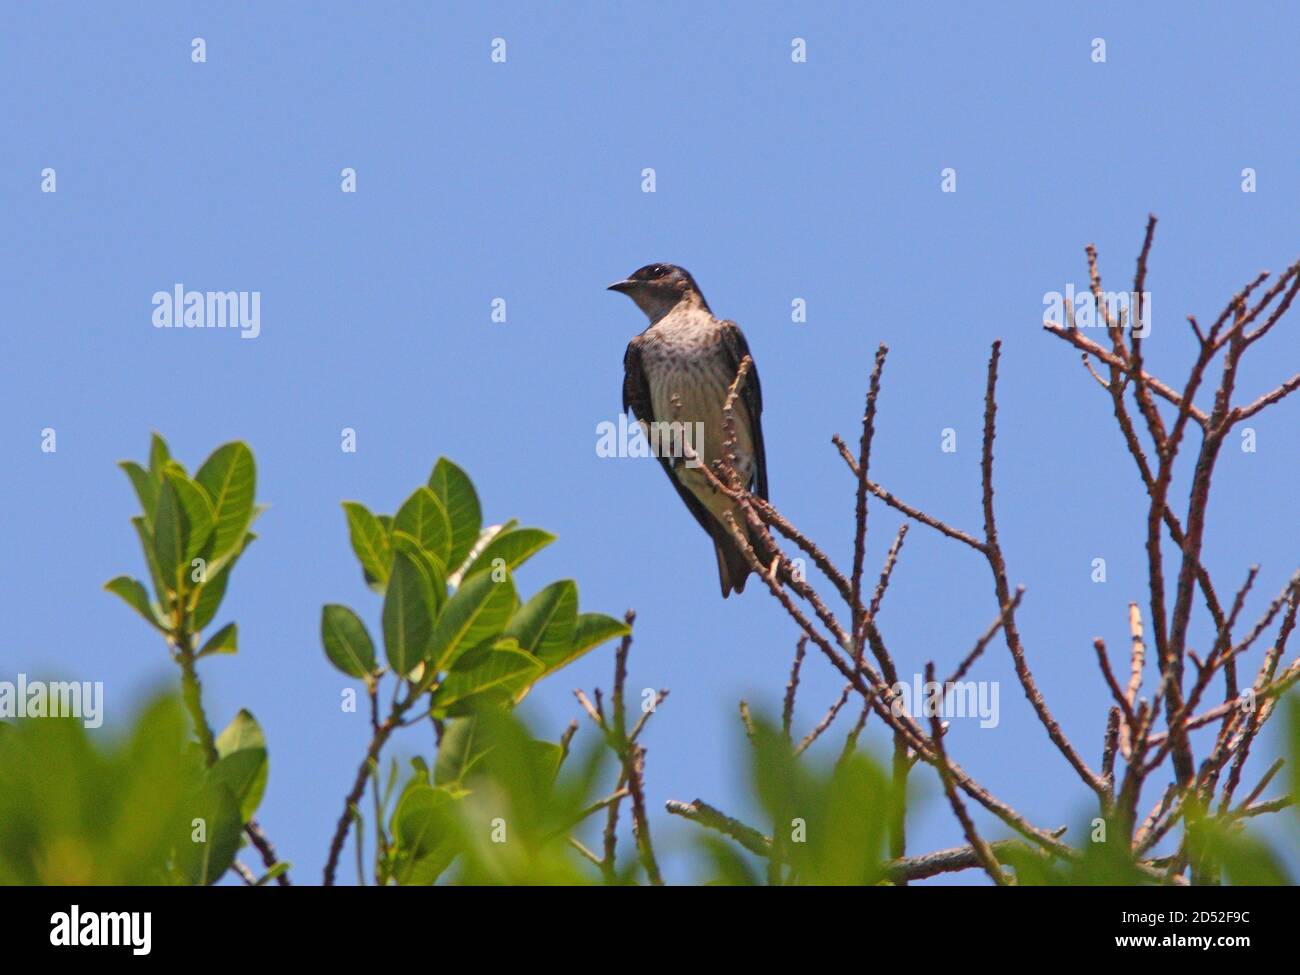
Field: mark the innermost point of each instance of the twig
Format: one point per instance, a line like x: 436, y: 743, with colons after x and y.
x: 993, y: 552
x: 825, y: 722
x: 792, y: 686
x: 860, y: 514
x: 632, y: 758
x: 377, y: 740
x: 192, y: 695
x: 747, y: 720
x: 945, y: 861
x: 887, y: 571
x: 982, y: 852
x: 899, y: 870
x: 879, y: 696
x: 914, y: 513
x: 986, y: 637
x: 701, y: 812
x: 1130, y: 720
x: 1085, y: 344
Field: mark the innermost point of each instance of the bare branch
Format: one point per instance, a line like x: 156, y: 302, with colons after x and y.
x: 860, y: 516
x: 886, y: 572
x: 986, y: 637
x: 982, y: 852
x: 825, y: 722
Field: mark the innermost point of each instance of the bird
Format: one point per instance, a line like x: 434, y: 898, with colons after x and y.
x: 679, y: 371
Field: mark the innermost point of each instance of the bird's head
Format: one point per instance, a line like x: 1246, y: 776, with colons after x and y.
x: 658, y: 288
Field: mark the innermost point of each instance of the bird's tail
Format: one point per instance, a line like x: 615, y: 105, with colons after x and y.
x: 733, y: 567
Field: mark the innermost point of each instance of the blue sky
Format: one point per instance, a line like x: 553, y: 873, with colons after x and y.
x: 522, y: 180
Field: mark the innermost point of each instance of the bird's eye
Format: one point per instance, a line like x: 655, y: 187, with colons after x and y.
x: 653, y: 272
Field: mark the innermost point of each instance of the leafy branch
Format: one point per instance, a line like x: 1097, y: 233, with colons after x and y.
x: 458, y: 643
x: 193, y: 531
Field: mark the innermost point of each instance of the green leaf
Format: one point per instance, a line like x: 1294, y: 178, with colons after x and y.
x: 242, y: 732
x: 847, y: 807
x: 545, y: 625
x: 158, y: 455
x: 420, y: 767
x: 425, y: 871
x: 461, y: 748
x: 433, y: 568
x: 479, y: 609
x: 456, y: 492
x: 425, y: 833
x: 207, y: 848
x: 169, y: 541
x: 546, y: 758
x: 370, y: 543
x: 244, y: 772
x: 196, y: 509
x: 418, y: 819
x: 392, y: 782
x: 144, y: 533
x: 246, y: 777
x: 229, y: 478
x: 1216, y: 844
x: 485, y: 536
x: 408, y: 614
x: 419, y: 777
x: 347, y: 644
x: 134, y: 594
x: 492, y: 673
x: 214, y: 590
x: 225, y: 640
x: 146, y: 488
x: 590, y: 631
x: 280, y: 868
x: 730, y: 868
x: 424, y: 518
x: 100, y: 809
x: 512, y: 548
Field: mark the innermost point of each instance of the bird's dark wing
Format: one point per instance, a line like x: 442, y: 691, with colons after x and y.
x: 636, y: 396
x: 636, y: 389
x: 751, y: 398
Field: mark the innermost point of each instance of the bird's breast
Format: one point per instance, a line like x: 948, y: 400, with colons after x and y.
x: 688, y: 373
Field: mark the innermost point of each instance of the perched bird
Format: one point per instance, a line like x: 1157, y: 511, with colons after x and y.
x: 678, y: 371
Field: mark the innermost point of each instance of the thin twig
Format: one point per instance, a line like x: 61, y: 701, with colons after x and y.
x: 825, y: 722
x: 982, y: 852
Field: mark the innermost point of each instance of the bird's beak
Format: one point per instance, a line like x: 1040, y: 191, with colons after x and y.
x: 623, y: 286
